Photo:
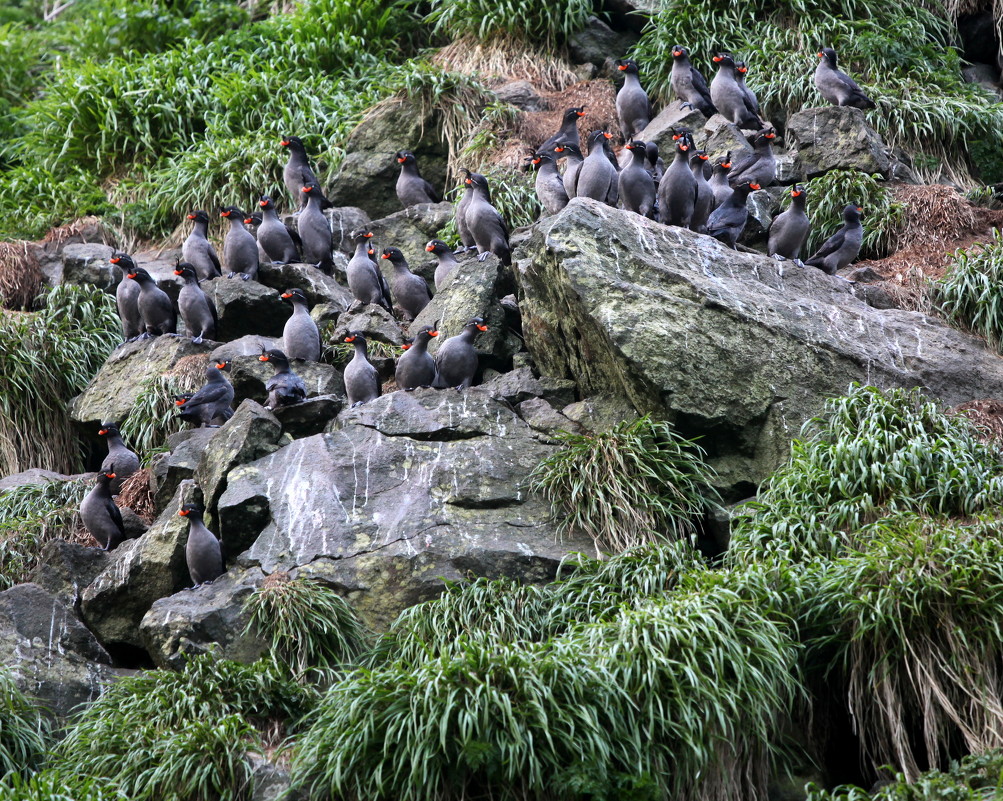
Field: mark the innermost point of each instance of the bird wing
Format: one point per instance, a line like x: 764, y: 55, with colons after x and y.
x: 830, y: 246
x: 741, y: 164
x: 700, y: 84
x: 215, y: 259
x: 116, y: 515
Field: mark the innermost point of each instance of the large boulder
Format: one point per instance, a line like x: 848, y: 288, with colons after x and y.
x: 179, y: 463
x: 836, y: 138
x: 89, y: 264
x: 112, y: 392
x: 51, y: 654
x: 316, y: 285
x: 719, y: 137
x: 410, y: 230
x: 345, y: 220
x: 727, y: 345
x: 659, y: 130
x: 65, y: 569
x: 246, y: 307
x: 210, y: 616
x: 410, y: 489
x: 249, y: 374
x: 368, y: 174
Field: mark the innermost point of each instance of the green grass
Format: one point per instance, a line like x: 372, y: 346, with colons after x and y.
x: 882, y: 216
x: 46, y: 359
x: 640, y: 482
x: 969, y: 293
x: 50, y: 785
x: 311, y: 629
x: 546, y: 24
x: 23, y: 730
x: 30, y: 516
x: 869, y: 454
x: 154, y: 415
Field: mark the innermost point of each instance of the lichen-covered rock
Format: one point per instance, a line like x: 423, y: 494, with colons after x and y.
x: 137, y: 574
x: 520, y: 384
x: 89, y: 264
x: 65, y: 569
x: 345, y: 220
x: 309, y: 417
x: 541, y: 416
x: 246, y: 307
x: 731, y: 347
x: 719, y: 138
x: 410, y: 230
x: 209, y: 616
x: 112, y: 392
x: 179, y: 463
x: 372, y: 320
x: 50, y: 653
x: 597, y: 42
x: 249, y: 374
x: 318, y: 287
x: 836, y: 138
x: 411, y: 488
x: 250, y: 345
x: 659, y: 130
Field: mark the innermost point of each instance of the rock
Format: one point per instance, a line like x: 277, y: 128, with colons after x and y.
x: 985, y: 75
x: 368, y: 173
x: 137, y: 574
x: 410, y: 231
x: 160, y: 265
x: 133, y: 525
x: 209, y: 616
x: 318, y: 287
x: 34, y: 475
x: 522, y: 95
x: 721, y: 137
x: 601, y: 412
x: 248, y: 375
x: 373, y: 321
x: 719, y: 342
x: 674, y: 115
x: 762, y: 206
x: 50, y: 653
x: 473, y: 290
x: 789, y: 170
x: 179, y: 464
x: 309, y: 417
x: 598, y: 42
x: 514, y: 386
x: 632, y: 13
x: 250, y: 345
x: 864, y: 275
x: 877, y: 296
x: 412, y: 488
x: 251, y: 433
x: 271, y: 782
x: 112, y: 392
x: 66, y: 568
x: 836, y: 138
x: 89, y: 264
x: 543, y: 417
x: 344, y: 220
x: 246, y: 307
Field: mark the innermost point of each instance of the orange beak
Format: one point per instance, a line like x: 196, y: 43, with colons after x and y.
x: 727, y: 165
x: 580, y: 113
x: 754, y: 186
x: 284, y: 143
x: 385, y: 256
x: 248, y: 220
x: 263, y: 358
x: 684, y: 147
x: 220, y: 365
x: 177, y: 272
x: 116, y: 260
x: 429, y: 248
x: 401, y: 161
x: 191, y: 216
x: 133, y: 275
x: 433, y: 333
x: 704, y: 157
x: 482, y: 327
x: 677, y: 53
x: 183, y: 513
x: 367, y: 236
x: 795, y: 194
x: 349, y: 339
x: 224, y: 214
x: 622, y: 68
x: 821, y: 55
x: 770, y: 136
x: 607, y: 135
x: 307, y: 188
x: 102, y: 432
x: 287, y: 294
x: 716, y: 59
x: 180, y: 402
x: 262, y: 203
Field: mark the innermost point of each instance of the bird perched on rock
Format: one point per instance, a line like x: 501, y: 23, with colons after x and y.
x: 409, y: 290
x: 315, y: 231
x: 456, y: 360
x: 300, y: 336
x: 835, y: 85
x: 655, y: 164
x: 843, y: 246
x: 719, y: 180
x: 703, y: 202
x: 759, y: 166
x: 741, y: 72
x: 284, y: 388
x: 412, y: 189
x: 677, y: 191
x: 197, y: 309
x: 203, y: 552
x: 127, y: 298
x: 446, y: 262
x: 198, y: 250
x: 100, y: 514
x: 689, y: 84
x: 572, y: 155
x: 252, y: 222
x: 727, y: 221
x: 549, y: 185
x: 632, y: 105
x: 362, y: 381
x: 273, y: 236
x: 365, y: 281
x: 120, y: 460
x: 212, y: 404
x: 155, y: 307
x: 568, y: 132
x: 485, y: 223
x: 240, y: 250
x: 789, y: 230
x: 636, y: 186
x: 466, y: 235
x: 598, y: 178
x: 416, y: 367
x: 297, y: 173
x: 728, y: 97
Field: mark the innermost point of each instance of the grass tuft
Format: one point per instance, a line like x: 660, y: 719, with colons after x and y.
x: 23, y: 730
x: 881, y: 217
x: 545, y: 24
x: 968, y: 295
x: 20, y: 275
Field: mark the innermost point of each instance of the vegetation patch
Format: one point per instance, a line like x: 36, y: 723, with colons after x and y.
x: 23, y: 730
x: 882, y: 215
x: 969, y: 294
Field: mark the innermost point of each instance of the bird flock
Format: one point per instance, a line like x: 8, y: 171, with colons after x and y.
x: 689, y: 192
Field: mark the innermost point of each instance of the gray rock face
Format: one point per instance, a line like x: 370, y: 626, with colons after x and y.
x: 719, y: 342
x: 410, y: 231
x: 368, y: 173
x: 192, y: 621
x: 344, y: 220
x: 65, y: 569
x: 318, y: 287
x: 836, y: 138
x: 250, y: 345
x: 51, y: 653
x: 246, y: 307
x: 719, y: 137
x: 411, y: 488
x: 521, y: 94
x: 34, y: 475
x: 113, y: 391
x: 597, y: 42
x: 179, y: 464
x: 248, y: 375
x: 89, y: 264
x: 309, y: 417
x: 659, y: 130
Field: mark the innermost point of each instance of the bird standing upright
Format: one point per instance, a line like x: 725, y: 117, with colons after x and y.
x: 633, y: 108
x: 835, y: 85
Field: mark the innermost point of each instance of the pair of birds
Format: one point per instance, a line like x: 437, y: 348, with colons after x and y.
x: 99, y: 513
x: 454, y: 365
x: 789, y: 232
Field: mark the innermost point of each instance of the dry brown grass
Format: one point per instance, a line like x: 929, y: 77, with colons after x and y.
x: 937, y: 220
x: 502, y: 59
x: 88, y: 229
x: 20, y: 274
x: 137, y: 494
x: 987, y: 415
x: 190, y: 371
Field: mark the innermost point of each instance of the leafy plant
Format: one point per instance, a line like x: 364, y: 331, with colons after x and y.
x: 311, y: 629
x: 51, y: 785
x: 882, y: 217
x: 968, y: 295
x: 48, y: 357
x: 870, y: 453
x: 23, y: 730
x: 548, y: 24
x: 639, y: 482
x: 907, y: 621
x: 30, y: 516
